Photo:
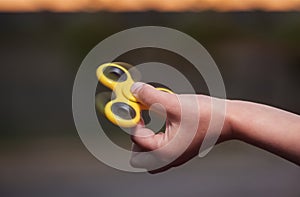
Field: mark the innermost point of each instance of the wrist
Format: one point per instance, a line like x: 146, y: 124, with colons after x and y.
x: 227, y: 132
x: 205, y: 104
x: 237, y: 111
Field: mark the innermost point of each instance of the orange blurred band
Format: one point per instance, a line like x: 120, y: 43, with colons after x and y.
x: 144, y: 5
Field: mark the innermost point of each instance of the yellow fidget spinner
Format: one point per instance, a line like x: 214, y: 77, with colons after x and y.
x: 124, y: 110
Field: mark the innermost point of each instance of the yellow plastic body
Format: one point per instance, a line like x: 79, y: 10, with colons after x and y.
x: 122, y: 93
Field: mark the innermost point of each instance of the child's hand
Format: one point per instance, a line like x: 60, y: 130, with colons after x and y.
x: 184, y: 133
x: 188, y: 122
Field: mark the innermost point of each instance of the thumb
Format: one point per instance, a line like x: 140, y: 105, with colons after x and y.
x: 148, y: 95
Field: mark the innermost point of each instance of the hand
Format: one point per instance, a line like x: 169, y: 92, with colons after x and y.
x: 192, y: 119
x: 187, y: 123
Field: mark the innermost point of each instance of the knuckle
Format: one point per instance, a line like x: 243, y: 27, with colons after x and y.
x: 145, y: 94
x: 134, y: 162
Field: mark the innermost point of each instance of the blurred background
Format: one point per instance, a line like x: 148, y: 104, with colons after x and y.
x: 257, y: 49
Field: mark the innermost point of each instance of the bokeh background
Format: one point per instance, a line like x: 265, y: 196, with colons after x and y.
x: 257, y: 52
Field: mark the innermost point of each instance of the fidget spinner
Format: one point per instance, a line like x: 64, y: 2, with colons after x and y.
x: 124, y: 110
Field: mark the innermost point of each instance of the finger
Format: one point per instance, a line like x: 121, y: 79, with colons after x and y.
x: 146, y: 138
x: 148, y: 95
x: 147, y: 160
x: 142, y: 159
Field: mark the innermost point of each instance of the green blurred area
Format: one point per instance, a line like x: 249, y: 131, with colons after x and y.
x: 255, y: 51
x: 258, y: 54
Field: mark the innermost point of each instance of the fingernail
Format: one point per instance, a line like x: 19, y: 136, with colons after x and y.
x: 135, y: 88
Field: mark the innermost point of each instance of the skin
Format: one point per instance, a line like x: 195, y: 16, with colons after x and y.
x: 269, y: 128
